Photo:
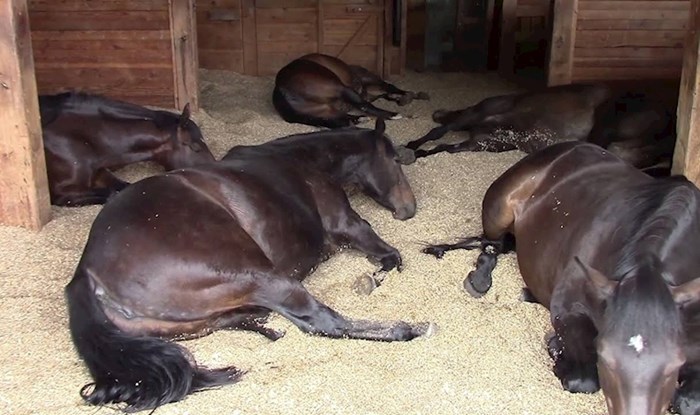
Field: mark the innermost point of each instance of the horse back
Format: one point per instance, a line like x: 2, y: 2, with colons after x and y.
x: 335, y: 65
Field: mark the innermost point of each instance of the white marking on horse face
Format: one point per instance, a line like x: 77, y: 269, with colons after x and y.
x: 637, y: 343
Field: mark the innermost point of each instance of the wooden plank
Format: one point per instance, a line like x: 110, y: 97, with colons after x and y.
x: 286, y: 16
x: 130, y: 35
x: 24, y: 194
x: 635, y: 5
x: 340, y: 32
x: 564, y: 37
x: 100, y: 20
x: 154, y: 57
x: 105, y: 78
x: 95, y: 5
x: 224, y: 35
x: 249, y: 36
x: 106, y: 45
x: 618, y: 38
x: 629, y: 52
x: 295, y: 32
x: 185, y: 61
x: 506, y: 60
x: 218, y: 4
x: 687, y: 151
x: 630, y: 62
x: 273, y: 4
x: 633, y: 14
x: 638, y: 24
x: 231, y: 60
x: 614, y: 74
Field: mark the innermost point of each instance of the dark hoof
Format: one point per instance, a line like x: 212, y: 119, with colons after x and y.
x: 274, y: 335
x: 426, y: 330
x: 581, y: 385
x: 406, y: 155
x: 365, y: 285
x: 434, y: 251
x: 392, y: 261
x: 423, y: 95
x: 476, y: 289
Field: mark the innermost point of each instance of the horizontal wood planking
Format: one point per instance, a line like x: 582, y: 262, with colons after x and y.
x: 627, y: 38
x: 580, y: 74
x: 339, y: 32
x: 221, y: 59
x: 118, y: 48
x: 224, y: 36
x: 637, y: 24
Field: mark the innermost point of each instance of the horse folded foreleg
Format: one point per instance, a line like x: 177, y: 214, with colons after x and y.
x: 434, y: 134
x: 438, y: 251
x: 289, y: 298
x: 687, y: 399
x: 573, y: 351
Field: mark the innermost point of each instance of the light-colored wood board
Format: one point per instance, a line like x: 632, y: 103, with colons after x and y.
x: 629, y: 38
x: 99, y: 20
x: 564, y: 37
x: 185, y: 61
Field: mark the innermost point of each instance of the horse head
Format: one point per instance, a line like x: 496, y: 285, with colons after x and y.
x: 186, y: 146
x: 382, y: 178
x: 640, y: 336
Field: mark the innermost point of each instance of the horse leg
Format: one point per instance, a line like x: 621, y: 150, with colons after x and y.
x: 289, y: 298
x: 482, y: 143
x: 106, y: 179
x: 434, y: 134
x: 355, y: 100
x: 253, y: 320
x: 84, y: 197
x: 687, y: 399
x: 438, y: 251
x: 572, y: 348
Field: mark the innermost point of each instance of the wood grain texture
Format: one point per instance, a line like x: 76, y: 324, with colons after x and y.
x: 564, y: 37
x: 24, y: 194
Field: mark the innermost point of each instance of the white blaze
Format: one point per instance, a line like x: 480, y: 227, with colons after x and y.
x: 637, y: 342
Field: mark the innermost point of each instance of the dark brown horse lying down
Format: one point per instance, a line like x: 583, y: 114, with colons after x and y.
x: 636, y: 126
x: 321, y: 90
x: 613, y: 254
x: 219, y: 246
x: 86, y: 137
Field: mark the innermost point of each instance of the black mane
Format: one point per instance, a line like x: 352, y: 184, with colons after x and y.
x: 81, y: 103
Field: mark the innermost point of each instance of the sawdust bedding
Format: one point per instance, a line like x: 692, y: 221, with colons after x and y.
x: 487, y: 357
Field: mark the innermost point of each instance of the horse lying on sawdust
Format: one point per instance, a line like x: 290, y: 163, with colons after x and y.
x: 87, y: 137
x: 637, y: 126
x: 219, y: 246
x: 321, y: 90
x: 612, y: 253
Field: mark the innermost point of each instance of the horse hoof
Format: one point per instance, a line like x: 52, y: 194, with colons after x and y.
x: 469, y: 288
x: 406, y: 155
x: 396, y: 117
x: 364, y: 285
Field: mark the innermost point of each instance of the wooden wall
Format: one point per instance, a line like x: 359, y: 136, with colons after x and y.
x: 259, y: 37
x: 524, y: 24
x: 597, y: 40
x: 136, y: 50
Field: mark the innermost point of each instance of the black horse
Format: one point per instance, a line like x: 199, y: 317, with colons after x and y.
x: 638, y: 126
x: 611, y: 252
x: 321, y: 90
x: 87, y: 136
x: 220, y: 246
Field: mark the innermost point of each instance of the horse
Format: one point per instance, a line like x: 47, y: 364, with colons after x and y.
x: 611, y: 252
x: 254, y: 225
x: 88, y: 136
x: 635, y: 125
x: 320, y: 90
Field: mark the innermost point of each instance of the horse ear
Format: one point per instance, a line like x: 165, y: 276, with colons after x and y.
x: 602, y: 287
x: 687, y: 293
x: 379, y: 127
x: 185, y: 115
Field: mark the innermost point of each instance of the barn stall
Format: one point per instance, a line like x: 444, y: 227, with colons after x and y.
x: 487, y: 356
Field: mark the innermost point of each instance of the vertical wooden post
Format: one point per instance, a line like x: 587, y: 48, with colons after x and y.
x: 561, y: 49
x: 249, y: 35
x: 183, y: 29
x: 506, y: 55
x: 686, y: 157
x: 24, y: 192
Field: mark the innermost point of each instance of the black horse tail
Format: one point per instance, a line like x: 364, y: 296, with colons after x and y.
x: 354, y: 99
x: 142, y: 372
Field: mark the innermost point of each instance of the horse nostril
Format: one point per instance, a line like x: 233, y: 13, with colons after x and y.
x: 404, y: 213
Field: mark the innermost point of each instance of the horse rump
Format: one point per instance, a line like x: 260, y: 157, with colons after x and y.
x: 142, y: 372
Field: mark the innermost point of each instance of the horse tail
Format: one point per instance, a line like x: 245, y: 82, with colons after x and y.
x: 354, y: 99
x: 143, y: 372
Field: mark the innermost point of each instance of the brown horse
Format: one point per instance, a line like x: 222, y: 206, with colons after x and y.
x: 321, y: 90
x: 637, y: 126
x: 612, y: 253
x: 87, y: 136
x: 251, y: 228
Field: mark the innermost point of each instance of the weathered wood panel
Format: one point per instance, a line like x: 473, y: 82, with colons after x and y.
x: 284, y: 33
x: 220, y: 34
x: 24, y: 194
x: 629, y: 39
x: 120, y: 48
x: 562, y: 43
x: 686, y: 157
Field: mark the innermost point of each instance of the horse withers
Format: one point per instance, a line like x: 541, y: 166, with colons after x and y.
x: 88, y: 136
x: 254, y: 226
x: 322, y: 90
x: 611, y: 252
x: 633, y: 121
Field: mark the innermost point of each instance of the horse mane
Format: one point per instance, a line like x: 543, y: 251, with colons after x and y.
x: 661, y: 210
x: 82, y: 103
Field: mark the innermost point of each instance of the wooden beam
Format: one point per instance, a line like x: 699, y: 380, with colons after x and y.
x: 686, y: 157
x: 249, y: 35
x: 183, y: 29
x: 561, y: 50
x: 24, y: 192
x: 509, y: 20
